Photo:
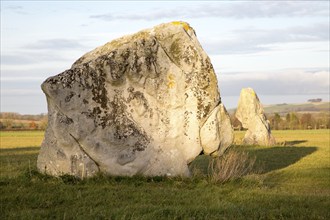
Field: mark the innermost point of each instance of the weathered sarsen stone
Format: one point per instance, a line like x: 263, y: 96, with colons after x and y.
x: 251, y: 114
x: 144, y: 104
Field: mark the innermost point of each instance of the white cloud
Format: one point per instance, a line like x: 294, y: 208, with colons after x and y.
x: 19, y: 58
x: 281, y: 82
x: 252, y: 40
x: 238, y: 10
x: 20, y: 92
x: 42, y: 54
x: 16, y: 9
x: 57, y: 44
x: 22, y: 79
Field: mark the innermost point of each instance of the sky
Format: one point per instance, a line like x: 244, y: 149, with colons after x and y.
x: 279, y: 48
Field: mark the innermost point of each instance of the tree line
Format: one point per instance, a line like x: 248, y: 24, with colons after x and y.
x: 16, y: 121
x: 289, y: 121
x: 292, y: 121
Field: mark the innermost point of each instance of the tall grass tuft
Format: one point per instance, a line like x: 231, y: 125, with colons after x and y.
x: 230, y: 166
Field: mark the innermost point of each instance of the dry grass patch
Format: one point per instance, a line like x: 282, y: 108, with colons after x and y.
x: 232, y: 165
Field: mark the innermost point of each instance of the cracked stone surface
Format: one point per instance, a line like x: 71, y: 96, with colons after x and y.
x: 146, y: 104
x: 251, y: 114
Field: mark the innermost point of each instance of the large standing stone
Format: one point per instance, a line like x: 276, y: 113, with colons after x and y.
x: 145, y: 104
x: 251, y: 114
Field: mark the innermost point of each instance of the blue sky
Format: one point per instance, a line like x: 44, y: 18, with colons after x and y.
x: 279, y: 48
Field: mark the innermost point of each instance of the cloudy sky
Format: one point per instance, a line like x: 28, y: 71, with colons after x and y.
x: 279, y: 48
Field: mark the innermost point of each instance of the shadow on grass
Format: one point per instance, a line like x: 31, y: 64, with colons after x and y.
x: 295, y: 142
x: 19, y: 149
x: 275, y: 158
x: 267, y: 159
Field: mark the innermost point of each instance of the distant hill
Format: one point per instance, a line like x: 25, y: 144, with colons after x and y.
x: 312, y: 107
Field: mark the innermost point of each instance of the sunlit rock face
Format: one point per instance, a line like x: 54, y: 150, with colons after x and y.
x: 143, y: 104
x: 251, y: 114
x: 217, y: 133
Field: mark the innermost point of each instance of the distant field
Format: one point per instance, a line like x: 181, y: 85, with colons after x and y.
x: 302, y: 107
x: 15, y: 139
x: 290, y: 181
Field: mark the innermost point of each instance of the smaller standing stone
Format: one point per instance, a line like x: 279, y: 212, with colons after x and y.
x: 251, y: 114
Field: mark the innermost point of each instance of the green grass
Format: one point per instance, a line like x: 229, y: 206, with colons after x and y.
x: 18, y: 139
x: 289, y: 182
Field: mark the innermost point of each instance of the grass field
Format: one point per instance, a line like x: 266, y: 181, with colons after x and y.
x: 290, y: 181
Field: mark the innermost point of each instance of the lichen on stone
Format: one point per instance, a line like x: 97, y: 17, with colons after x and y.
x: 185, y: 25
